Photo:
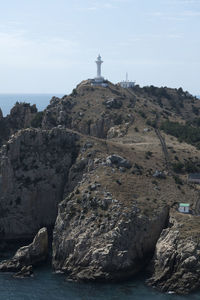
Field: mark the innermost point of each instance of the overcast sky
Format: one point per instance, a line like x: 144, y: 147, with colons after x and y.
x: 49, y: 46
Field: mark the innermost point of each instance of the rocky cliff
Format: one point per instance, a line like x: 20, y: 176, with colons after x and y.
x: 89, y: 110
x: 28, y: 256
x: 21, y: 116
x: 175, y: 266
x: 34, y: 171
x: 98, y: 154
x: 100, y: 239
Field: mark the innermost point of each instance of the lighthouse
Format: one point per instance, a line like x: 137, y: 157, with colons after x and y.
x: 99, y: 80
x: 99, y: 62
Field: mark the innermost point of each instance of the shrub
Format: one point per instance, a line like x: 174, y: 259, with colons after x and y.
x: 74, y: 92
x: 178, y: 180
x: 190, y: 167
x: 186, y: 133
x: 142, y: 114
x: 148, y: 154
x: 177, y: 167
x: 195, y: 110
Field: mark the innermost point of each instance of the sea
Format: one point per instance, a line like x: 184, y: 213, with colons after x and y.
x: 7, y: 101
x: 46, y: 285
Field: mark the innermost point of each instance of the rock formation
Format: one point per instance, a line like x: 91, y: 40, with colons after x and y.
x: 94, y: 150
x: 28, y: 256
x: 101, y: 239
x: 176, y: 266
x: 79, y: 111
x: 1, y: 114
x: 34, y: 172
x: 21, y: 116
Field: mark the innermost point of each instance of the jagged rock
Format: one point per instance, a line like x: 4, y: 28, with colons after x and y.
x: 119, y: 182
x: 26, y: 271
x: 108, y: 246
x: 100, y: 127
x: 88, y: 145
x: 118, y: 161
x: 92, y: 187
x: 27, y: 256
x: 1, y: 114
x: 159, y: 174
x: 113, y: 103
x: 34, y: 171
x: 175, y: 266
x: 117, y: 131
x: 21, y: 115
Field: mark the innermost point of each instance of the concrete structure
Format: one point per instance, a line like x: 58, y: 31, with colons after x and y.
x: 127, y: 84
x: 194, y: 178
x: 99, y: 80
x: 184, y: 208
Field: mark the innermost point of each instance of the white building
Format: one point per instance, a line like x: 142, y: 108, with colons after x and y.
x: 184, y: 208
x: 99, y: 80
x: 194, y: 178
x: 127, y: 84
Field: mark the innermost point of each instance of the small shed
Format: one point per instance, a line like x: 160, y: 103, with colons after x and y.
x: 184, y: 208
x: 194, y: 178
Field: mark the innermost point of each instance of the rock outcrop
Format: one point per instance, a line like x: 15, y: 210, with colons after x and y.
x: 113, y: 103
x: 176, y: 266
x: 91, y: 111
x: 118, y: 131
x: 101, y: 239
x: 20, y: 117
x: 26, y: 271
x: 1, y: 114
x: 118, y: 161
x: 34, y: 171
x: 115, y: 202
x: 28, y: 256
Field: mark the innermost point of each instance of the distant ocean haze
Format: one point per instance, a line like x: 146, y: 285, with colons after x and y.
x: 7, y: 101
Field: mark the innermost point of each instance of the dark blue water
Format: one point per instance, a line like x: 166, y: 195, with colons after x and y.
x: 48, y: 286
x: 7, y: 101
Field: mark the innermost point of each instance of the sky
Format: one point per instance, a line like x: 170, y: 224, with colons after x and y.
x: 49, y: 46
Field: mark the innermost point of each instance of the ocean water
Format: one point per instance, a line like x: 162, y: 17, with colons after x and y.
x: 45, y: 285
x: 7, y: 101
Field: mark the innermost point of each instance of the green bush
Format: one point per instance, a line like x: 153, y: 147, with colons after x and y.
x: 190, y: 167
x: 142, y: 114
x: 178, y: 180
x: 178, y: 167
x: 186, y: 133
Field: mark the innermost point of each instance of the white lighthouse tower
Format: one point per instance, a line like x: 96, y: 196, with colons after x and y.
x: 99, y: 80
x: 99, y: 62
